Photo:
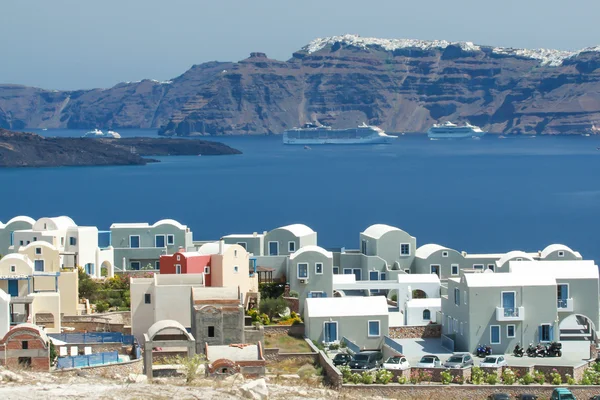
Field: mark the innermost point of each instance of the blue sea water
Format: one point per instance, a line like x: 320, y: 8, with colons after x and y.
x: 489, y: 195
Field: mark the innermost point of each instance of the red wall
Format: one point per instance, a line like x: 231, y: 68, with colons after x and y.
x: 189, y: 265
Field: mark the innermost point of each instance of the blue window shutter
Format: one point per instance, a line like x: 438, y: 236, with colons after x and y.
x: 551, y: 333
x: 540, y: 333
x: 309, y: 295
x: 324, y: 294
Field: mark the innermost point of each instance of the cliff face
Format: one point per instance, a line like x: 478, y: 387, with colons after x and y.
x: 399, y: 85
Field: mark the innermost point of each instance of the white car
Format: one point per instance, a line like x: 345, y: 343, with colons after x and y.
x: 429, y: 361
x: 493, y: 362
x: 396, y: 363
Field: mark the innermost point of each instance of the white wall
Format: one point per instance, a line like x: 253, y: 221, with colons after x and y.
x: 414, y: 314
x: 4, y: 313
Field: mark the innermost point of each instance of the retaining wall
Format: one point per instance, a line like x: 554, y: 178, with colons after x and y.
x: 284, y: 330
x: 110, y: 370
x: 273, y: 355
x: 416, y: 332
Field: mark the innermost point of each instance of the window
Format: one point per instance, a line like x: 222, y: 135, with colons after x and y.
x: 35, y: 238
x: 363, y: 246
x: 373, y: 328
x: 38, y: 250
x: 20, y: 243
x: 135, y: 265
x: 157, y: 265
x: 454, y: 269
x: 273, y: 248
x: 426, y: 314
x: 170, y: 240
x: 435, y: 269
x: 407, y: 271
x: 211, y: 331
x: 302, y: 270
x: 519, y: 259
x: 134, y: 241
x: 316, y: 294
x: 545, y: 333
x: 178, y: 257
x: 491, y: 267
x: 347, y: 271
x: 72, y: 241
x: 28, y: 242
x: 159, y: 241
x: 382, y: 276
x: 373, y: 275
x: 207, y: 270
x: 457, y: 296
x: 561, y: 253
x: 478, y: 267
x: 62, y: 241
x: 147, y: 298
x: 236, y: 269
x: 444, y: 254
x: 89, y: 269
x: 336, y: 270
x: 25, y: 345
x: 319, y: 268
x: 177, y: 268
x: 13, y: 268
x: 235, y: 253
x: 243, y: 244
x: 291, y: 247
x: 495, y: 334
x: 357, y: 273
x: 510, y: 331
x: 562, y: 294
x: 39, y: 265
x: 405, y: 249
x: 12, y: 238
x: 508, y: 303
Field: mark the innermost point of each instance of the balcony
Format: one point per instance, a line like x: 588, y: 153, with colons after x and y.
x: 565, y: 305
x: 510, y: 314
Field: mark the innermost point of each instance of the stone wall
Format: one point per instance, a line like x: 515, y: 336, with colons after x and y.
x: 285, y: 330
x: 255, y: 334
x: 416, y: 332
x: 333, y: 376
x: 435, y: 373
x: 273, y: 355
x: 293, y: 303
x: 109, y: 370
x: 458, y: 392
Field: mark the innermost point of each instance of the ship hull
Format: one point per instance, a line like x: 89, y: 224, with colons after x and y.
x: 455, y: 135
x: 315, y: 141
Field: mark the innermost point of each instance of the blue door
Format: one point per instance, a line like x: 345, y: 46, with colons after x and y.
x: 508, y: 303
x: 563, y: 295
x: 330, y: 334
x: 13, y: 287
x: 39, y: 265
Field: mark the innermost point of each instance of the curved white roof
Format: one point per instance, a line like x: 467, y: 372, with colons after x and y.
x: 54, y: 223
x: 167, y: 324
x: 317, y: 249
x: 428, y: 249
x: 555, y: 247
x: 378, y: 230
x: 169, y: 222
x: 212, y: 248
x: 38, y: 243
x: 21, y: 218
x: 16, y: 256
x: 513, y: 254
x: 298, y: 229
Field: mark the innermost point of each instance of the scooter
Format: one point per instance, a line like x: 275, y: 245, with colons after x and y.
x: 531, y: 350
x: 555, y: 349
x: 518, y: 351
x: 483, y: 351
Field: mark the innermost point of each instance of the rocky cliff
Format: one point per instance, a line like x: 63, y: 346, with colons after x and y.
x: 399, y: 85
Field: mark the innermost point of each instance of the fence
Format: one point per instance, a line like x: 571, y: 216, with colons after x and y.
x: 393, y: 345
x: 88, y: 361
x: 447, y: 343
x: 96, y: 337
x: 351, y: 345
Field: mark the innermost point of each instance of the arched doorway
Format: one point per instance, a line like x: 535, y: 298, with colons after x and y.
x: 106, y: 270
x: 419, y: 294
x: 577, y: 327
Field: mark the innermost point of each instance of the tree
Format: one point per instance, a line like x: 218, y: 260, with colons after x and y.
x: 272, y: 307
x: 88, y: 287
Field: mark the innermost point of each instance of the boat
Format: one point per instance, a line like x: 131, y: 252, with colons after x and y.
x: 449, y: 130
x: 319, y: 134
x: 97, y: 133
x: 45, y: 129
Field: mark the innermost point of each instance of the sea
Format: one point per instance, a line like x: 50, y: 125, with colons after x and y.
x: 487, y: 195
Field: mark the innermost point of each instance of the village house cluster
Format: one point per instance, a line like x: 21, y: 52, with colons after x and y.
x: 201, y: 290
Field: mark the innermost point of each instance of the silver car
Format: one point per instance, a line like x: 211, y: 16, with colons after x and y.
x: 459, y: 360
x: 429, y: 361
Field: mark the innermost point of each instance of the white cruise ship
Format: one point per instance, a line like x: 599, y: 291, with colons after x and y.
x: 97, y: 133
x: 449, y: 130
x: 312, y: 134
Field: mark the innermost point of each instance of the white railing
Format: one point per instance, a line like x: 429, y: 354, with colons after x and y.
x: 510, y: 313
x: 565, y: 305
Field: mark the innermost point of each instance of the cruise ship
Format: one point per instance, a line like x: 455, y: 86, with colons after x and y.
x: 97, y: 133
x: 313, y: 134
x: 453, y: 131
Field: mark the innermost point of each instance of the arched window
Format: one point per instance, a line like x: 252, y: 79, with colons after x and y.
x: 426, y: 314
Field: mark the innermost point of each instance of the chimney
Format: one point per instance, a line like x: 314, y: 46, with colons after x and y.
x: 464, y: 253
x: 221, y: 245
x: 255, y: 234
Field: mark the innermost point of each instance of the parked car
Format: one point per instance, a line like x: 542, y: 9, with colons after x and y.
x: 429, y: 361
x: 499, y: 396
x: 341, y: 359
x: 562, y: 394
x: 396, y: 363
x: 527, y: 396
x: 493, y: 362
x: 596, y: 397
x: 366, y: 360
x: 459, y: 360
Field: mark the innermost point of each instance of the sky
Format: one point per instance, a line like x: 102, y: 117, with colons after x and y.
x: 78, y: 44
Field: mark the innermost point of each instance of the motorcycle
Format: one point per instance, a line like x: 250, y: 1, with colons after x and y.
x: 531, y: 350
x: 518, y: 351
x: 541, y: 350
x: 483, y: 351
x: 555, y: 349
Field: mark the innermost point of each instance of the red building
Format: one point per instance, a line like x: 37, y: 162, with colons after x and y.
x: 25, y: 346
x: 186, y: 263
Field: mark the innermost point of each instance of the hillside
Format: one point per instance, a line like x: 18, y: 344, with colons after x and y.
x: 400, y: 85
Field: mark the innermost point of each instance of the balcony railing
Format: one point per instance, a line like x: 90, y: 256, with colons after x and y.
x: 510, y: 313
x: 565, y: 305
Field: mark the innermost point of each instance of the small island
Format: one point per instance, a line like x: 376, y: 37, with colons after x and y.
x: 22, y: 149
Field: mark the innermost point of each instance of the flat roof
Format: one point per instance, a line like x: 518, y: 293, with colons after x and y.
x: 561, y: 269
x: 431, y: 302
x: 215, y: 293
x: 244, y: 235
x: 346, y: 306
x: 233, y: 352
x: 491, y: 279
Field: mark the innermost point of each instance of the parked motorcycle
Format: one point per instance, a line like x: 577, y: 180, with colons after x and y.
x: 531, y: 350
x: 555, y: 349
x: 541, y: 350
x: 518, y: 351
x: 483, y: 351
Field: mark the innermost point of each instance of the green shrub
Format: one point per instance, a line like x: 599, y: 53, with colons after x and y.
x: 401, y: 379
x: 190, y: 366
x: 508, y: 376
x: 306, y: 371
x: 491, y: 379
x: 539, y: 377
x: 102, y: 306
x: 394, y: 297
x: 555, y: 377
x: 293, y: 293
x: 264, y: 319
x: 343, y: 345
x: 596, y: 366
x: 367, y: 378
x: 477, y: 376
x: 334, y: 346
x: 446, y: 377
x: 272, y: 306
x: 271, y: 290
x: 383, y: 377
x: 527, y: 379
x: 346, y: 373
x: 318, y: 345
x: 355, y: 378
x: 459, y: 379
x: 570, y: 380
